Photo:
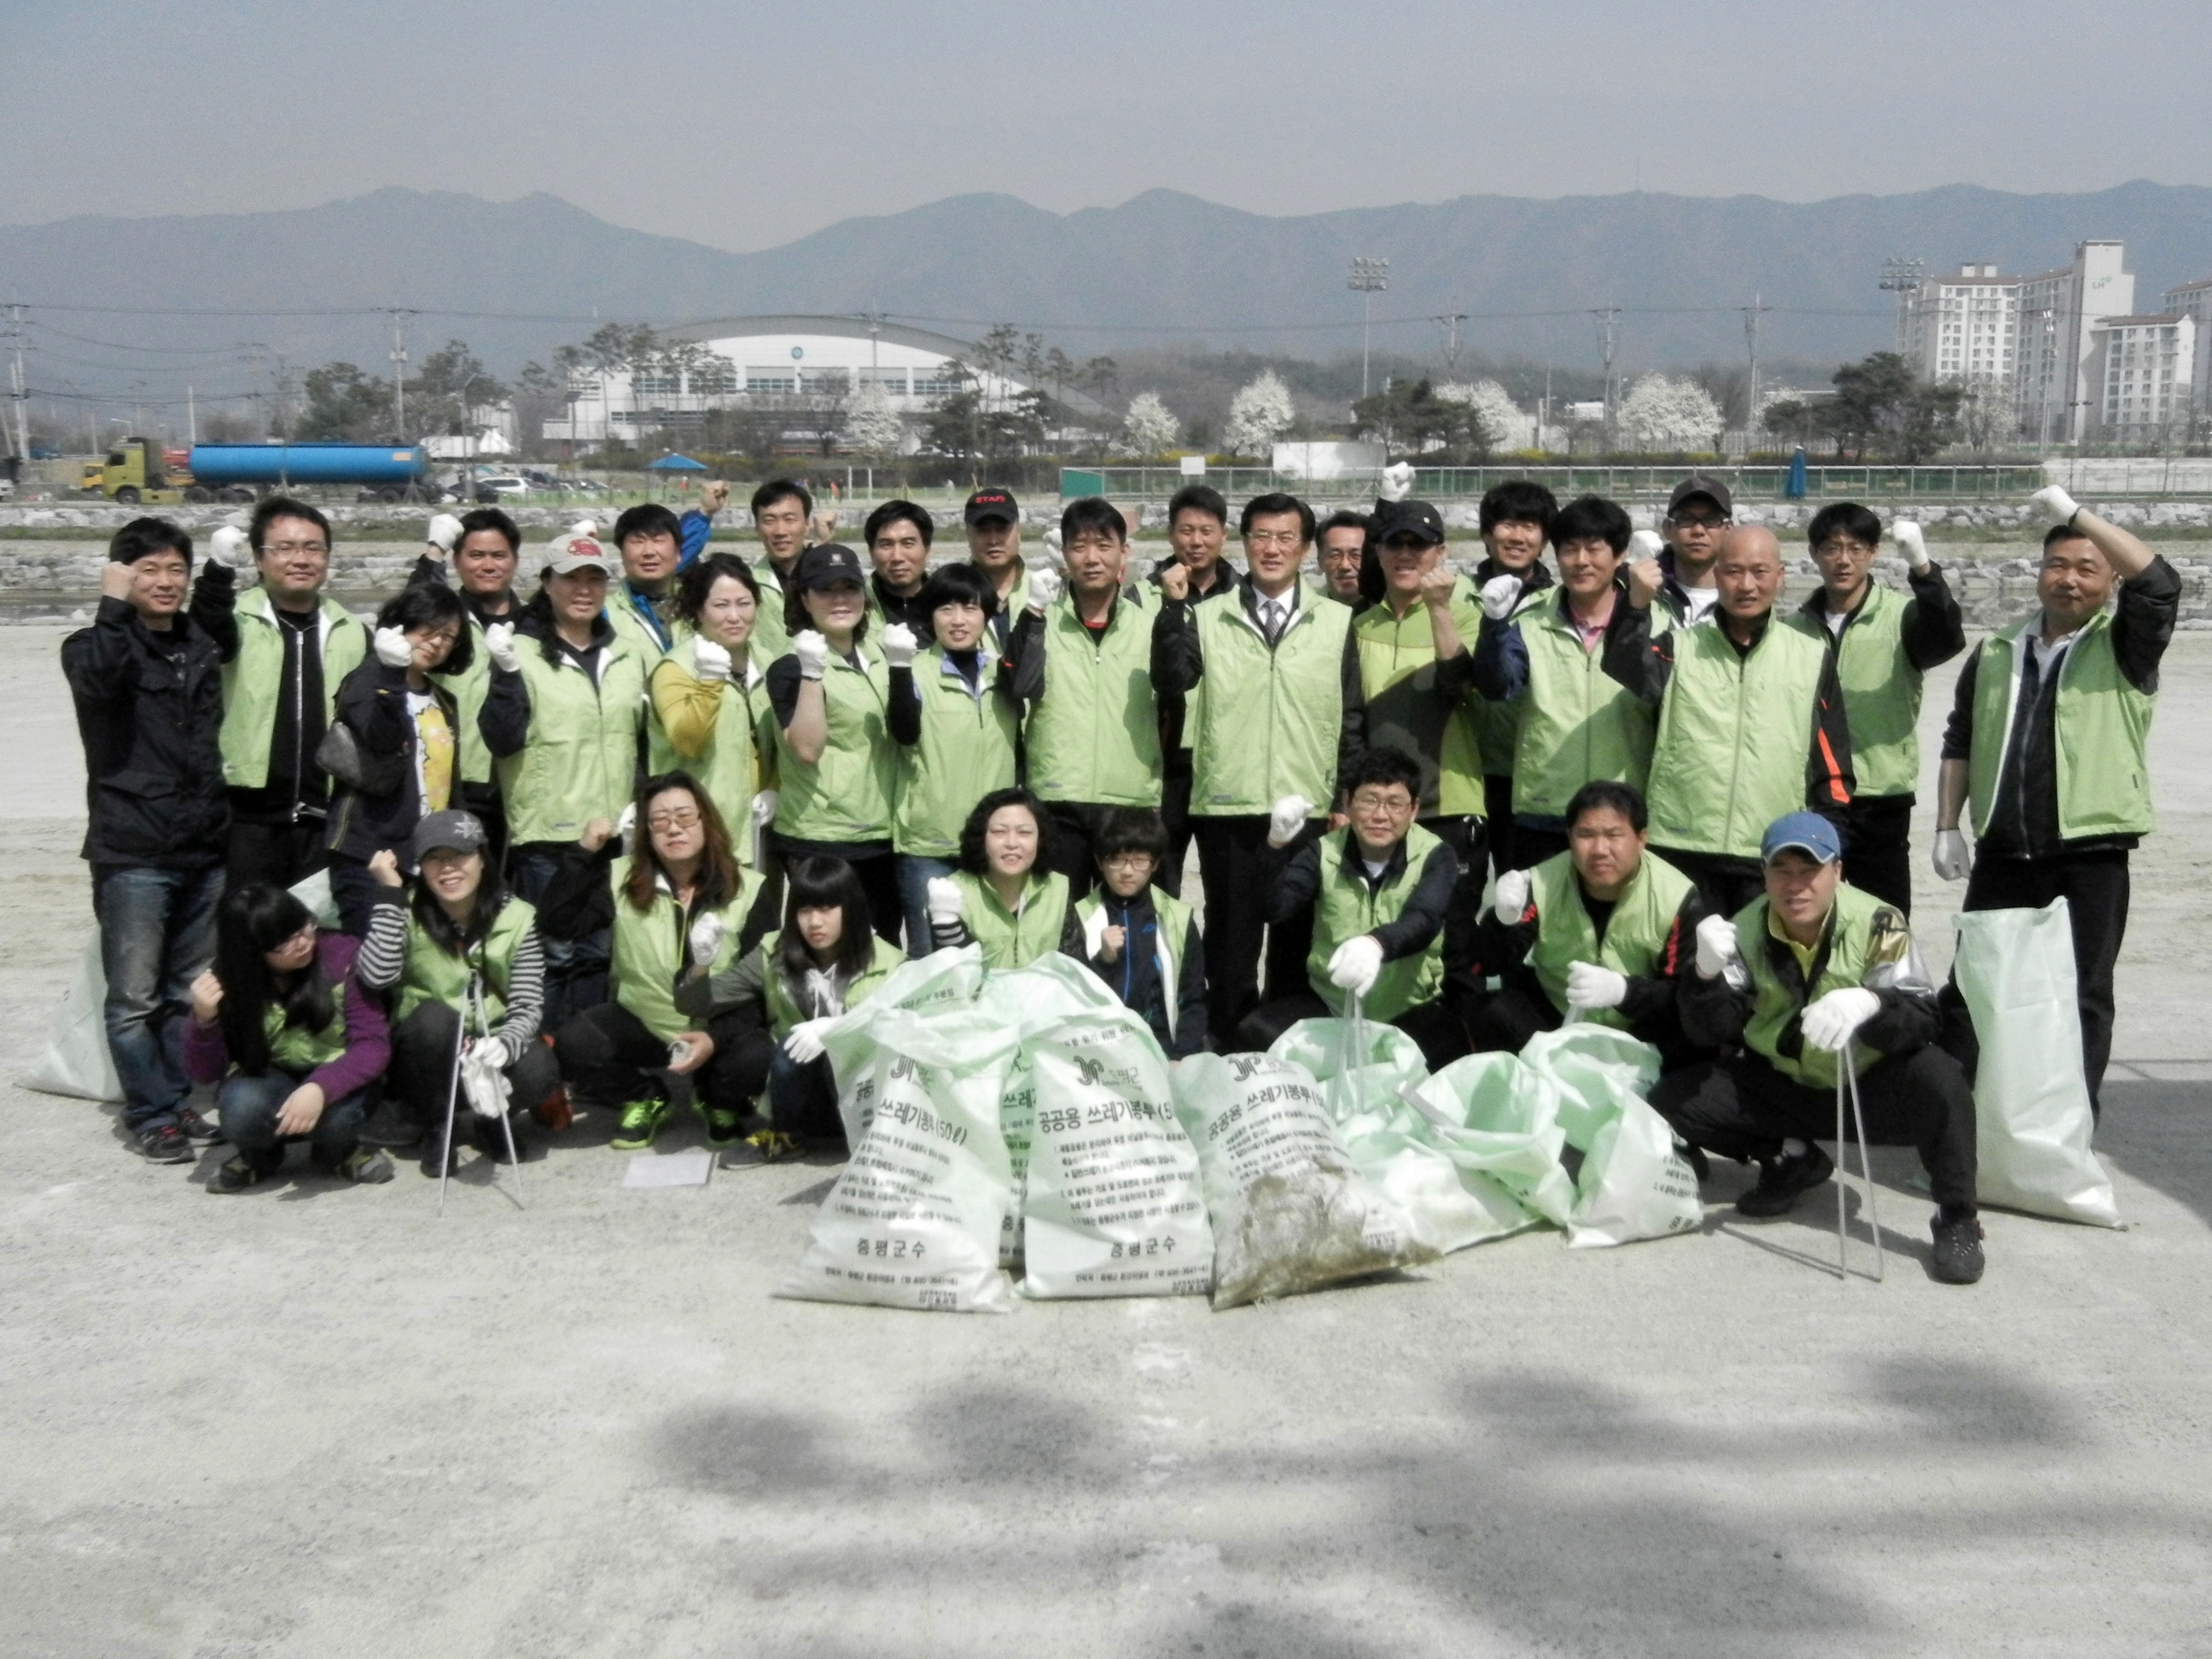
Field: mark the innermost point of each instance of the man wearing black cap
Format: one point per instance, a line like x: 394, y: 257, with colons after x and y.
x: 1811, y: 977
x: 993, y: 522
x: 1699, y: 514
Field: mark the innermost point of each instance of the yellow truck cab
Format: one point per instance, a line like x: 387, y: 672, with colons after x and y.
x: 136, y: 472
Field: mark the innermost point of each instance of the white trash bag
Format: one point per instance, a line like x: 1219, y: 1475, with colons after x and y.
x: 77, y: 1061
x: 1633, y: 1184
x: 2016, y: 970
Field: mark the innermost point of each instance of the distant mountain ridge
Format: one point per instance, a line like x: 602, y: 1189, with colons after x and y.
x: 1679, y: 265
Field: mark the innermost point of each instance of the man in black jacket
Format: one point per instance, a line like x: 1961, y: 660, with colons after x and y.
x: 147, y: 686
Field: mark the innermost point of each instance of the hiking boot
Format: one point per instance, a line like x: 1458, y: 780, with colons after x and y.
x: 762, y: 1148
x: 641, y: 1122
x: 1958, y: 1259
x: 490, y: 1137
x: 722, y: 1125
x: 1782, y: 1179
x: 166, y: 1143
x: 367, y: 1166
x: 389, y: 1125
x: 434, y: 1137
x: 197, y: 1129
x: 236, y: 1175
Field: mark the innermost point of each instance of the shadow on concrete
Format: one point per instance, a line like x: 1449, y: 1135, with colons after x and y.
x: 2155, y: 1131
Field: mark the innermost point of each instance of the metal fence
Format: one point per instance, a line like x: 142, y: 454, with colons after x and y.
x: 1625, y: 483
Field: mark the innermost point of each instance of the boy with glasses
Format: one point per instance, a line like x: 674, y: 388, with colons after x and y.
x: 1142, y: 941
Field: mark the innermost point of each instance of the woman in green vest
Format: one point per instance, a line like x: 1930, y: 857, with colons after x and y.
x: 680, y: 907
x: 1002, y: 898
x: 461, y: 959
x: 709, y: 695
x: 1602, y: 933
x: 826, y: 960
x: 283, y: 1024
x: 1141, y: 939
x: 830, y: 697
x: 957, y: 723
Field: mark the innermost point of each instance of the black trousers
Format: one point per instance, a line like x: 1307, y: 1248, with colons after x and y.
x: 283, y: 855
x: 1878, y: 855
x: 1532, y: 846
x: 2095, y: 888
x: 609, y: 1058
x: 1741, y: 1107
x: 1233, y: 863
x: 422, y: 1067
x: 1174, y: 815
x: 1503, y: 1021
x: 1071, y: 828
x: 1428, y: 1024
x: 1726, y: 885
x: 878, y: 869
x: 1497, y: 813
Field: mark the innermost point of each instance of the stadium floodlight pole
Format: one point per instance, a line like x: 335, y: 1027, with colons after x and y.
x: 1369, y: 278
x: 1904, y: 277
x: 1751, y: 316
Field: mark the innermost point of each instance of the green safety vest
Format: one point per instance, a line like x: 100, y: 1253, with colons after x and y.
x: 1578, y: 724
x: 433, y: 974
x: 1497, y: 724
x: 1271, y: 720
x: 1398, y: 673
x: 1011, y: 939
x: 294, y: 1048
x: 770, y: 638
x: 1347, y: 906
x: 2102, y: 730
x: 783, y: 1010
x: 846, y: 795
x: 1774, y: 1004
x: 729, y: 769
x: 653, y: 949
x: 1638, y: 931
x: 622, y: 614
x: 468, y: 690
x: 579, y: 761
x: 1172, y: 917
x: 1732, y: 734
x: 1881, y: 689
x: 253, y: 679
x: 966, y: 749
x: 1095, y: 734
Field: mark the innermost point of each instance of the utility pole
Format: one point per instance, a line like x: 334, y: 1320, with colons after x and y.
x: 1449, y: 323
x: 1369, y: 278
x: 1608, y: 326
x: 399, y: 370
x: 1902, y: 278
x: 1751, y: 316
x: 192, y: 418
x: 16, y: 372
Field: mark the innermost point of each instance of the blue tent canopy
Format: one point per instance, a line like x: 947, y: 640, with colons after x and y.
x: 677, y: 464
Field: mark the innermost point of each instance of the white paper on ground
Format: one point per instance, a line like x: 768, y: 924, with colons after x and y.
x: 649, y: 1170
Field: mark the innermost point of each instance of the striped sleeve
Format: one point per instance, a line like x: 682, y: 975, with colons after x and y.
x: 526, y: 994
x: 384, y: 951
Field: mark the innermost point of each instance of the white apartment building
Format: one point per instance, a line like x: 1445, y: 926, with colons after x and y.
x: 2194, y: 302
x: 1965, y: 327
x: 2141, y: 374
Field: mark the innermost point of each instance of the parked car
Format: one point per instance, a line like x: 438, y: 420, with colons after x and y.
x: 504, y: 487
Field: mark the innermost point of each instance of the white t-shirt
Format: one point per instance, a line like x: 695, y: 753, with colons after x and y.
x: 1702, y: 601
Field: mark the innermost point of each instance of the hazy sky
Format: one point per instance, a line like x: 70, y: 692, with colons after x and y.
x: 746, y: 124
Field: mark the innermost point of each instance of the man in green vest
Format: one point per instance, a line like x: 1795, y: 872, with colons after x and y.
x: 1515, y: 518
x: 1811, y: 977
x: 285, y: 645
x: 1883, y: 643
x: 2048, y: 744
x: 1751, y: 720
x: 1546, y: 663
x: 642, y: 605
x: 1198, y: 529
x: 1080, y: 665
x: 1602, y: 932
x: 782, y: 511
x: 992, y: 521
x: 477, y: 555
x: 1282, y: 717
x: 898, y: 535
x: 1376, y: 895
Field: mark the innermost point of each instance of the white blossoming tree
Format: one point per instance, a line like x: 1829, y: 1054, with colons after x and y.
x: 873, y: 426
x: 1503, y: 425
x: 1662, y: 411
x: 1150, y: 428
x: 1259, y: 415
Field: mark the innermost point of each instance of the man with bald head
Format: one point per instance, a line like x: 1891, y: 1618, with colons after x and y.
x: 1750, y: 721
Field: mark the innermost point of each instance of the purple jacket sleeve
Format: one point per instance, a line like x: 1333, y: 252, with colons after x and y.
x: 368, y: 1038
x: 207, y: 1057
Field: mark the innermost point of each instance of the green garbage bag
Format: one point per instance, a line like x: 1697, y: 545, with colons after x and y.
x: 1497, y: 1119
x: 2032, y: 1121
x: 1632, y: 1184
x: 1290, y: 1209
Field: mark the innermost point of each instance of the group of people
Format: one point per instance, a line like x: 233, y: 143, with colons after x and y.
x: 632, y: 832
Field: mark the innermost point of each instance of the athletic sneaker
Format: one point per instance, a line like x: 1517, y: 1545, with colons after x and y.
x: 165, y: 1143
x: 1782, y: 1179
x: 236, y: 1175
x: 721, y: 1126
x: 369, y: 1166
x: 641, y: 1122
x: 1958, y: 1249
x: 761, y: 1148
x: 197, y: 1129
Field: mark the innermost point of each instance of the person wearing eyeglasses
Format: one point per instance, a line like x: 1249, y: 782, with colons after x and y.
x: 1374, y: 895
x: 1142, y: 941
x: 286, y: 647
x: 1342, y: 543
x: 1681, y: 573
x: 1283, y: 717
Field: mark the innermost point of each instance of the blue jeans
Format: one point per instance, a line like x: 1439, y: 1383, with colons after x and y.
x: 802, y: 1099
x: 250, y: 1105
x: 915, y: 875
x: 156, y: 936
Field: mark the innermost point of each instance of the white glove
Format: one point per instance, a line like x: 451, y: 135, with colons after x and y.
x: 1510, y: 902
x: 1716, y: 946
x: 812, y: 652
x: 485, y: 1084
x: 1289, y: 817
x: 494, y: 1050
x: 445, y: 531
x: 1499, y: 595
x: 944, y: 901
x: 1054, y: 547
x: 588, y: 529
x: 1829, y: 1022
x: 1045, y: 586
x: 498, y: 642
x: 707, y: 937
x: 228, y: 548
x: 1354, y: 965
x: 1397, y: 482
x: 1953, y: 858
x: 899, y: 646
x: 765, y: 806
x: 1644, y: 544
x: 805, y: 1043
x: 1910, y: 542
x: 709, y: 661
x: 1590, y: 986
x: 394, y: 648
x: 625, y: 824
x: 2054, y: 503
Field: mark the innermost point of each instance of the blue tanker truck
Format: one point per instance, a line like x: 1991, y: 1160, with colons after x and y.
x: 139, y: 471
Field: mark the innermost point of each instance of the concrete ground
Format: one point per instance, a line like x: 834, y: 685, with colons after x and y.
x: 310, y: 1420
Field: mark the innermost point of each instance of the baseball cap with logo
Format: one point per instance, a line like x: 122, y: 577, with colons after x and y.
x: 447, y: 832
x: 827, y: 565
x: 1712, y: 489
x: 1801, y: 832
x: 991, y: 504
x: 578, y: 551
x: 1416, y: 519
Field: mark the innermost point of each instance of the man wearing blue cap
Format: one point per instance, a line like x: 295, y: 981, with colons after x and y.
x: 1814, y: 972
